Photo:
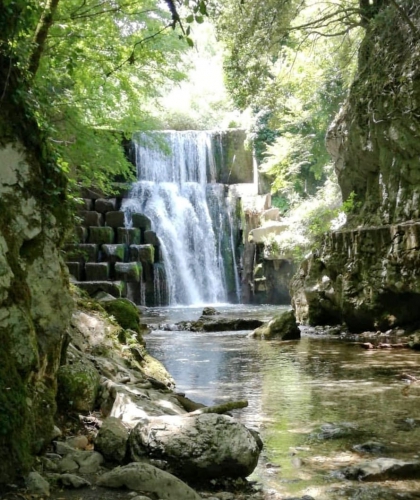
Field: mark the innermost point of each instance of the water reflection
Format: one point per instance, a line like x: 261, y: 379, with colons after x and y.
x: 293, y: 389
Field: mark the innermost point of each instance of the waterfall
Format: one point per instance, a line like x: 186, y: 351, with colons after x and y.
x: 187, y: 214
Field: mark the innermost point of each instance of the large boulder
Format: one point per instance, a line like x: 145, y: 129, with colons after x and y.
x: 112, y: 439
x: 148, y: 479
x: 197, y: 447
x: 283, y: 327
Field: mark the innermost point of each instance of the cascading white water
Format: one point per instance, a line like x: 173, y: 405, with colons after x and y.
x: 171, y: 191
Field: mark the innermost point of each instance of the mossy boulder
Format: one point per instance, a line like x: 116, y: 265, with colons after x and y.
x: 125, y: 313
x: 78, y: 386
x: 283, y: 327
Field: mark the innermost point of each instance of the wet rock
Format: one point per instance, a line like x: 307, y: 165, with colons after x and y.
x: 204, y: 446
x: 209, y: 311
x: 112, y: 439
x: 335, y: 431
x: 372, y: 447
x: 37, y: 485
x: 217, y: 323
x: 72, y: 481
x: 382, y: 469
x: 282, y: 327
x: 146, y: 478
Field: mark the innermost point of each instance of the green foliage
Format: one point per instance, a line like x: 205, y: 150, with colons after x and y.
x: 307, y: 221
x: 104, y: 65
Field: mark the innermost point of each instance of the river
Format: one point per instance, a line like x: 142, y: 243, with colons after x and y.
x: 295, y: 388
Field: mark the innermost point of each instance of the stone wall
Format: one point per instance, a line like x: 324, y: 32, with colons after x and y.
x: 108, y: 257
x: 34, y: 307
x: 368, y: 278
x: 367, y: 274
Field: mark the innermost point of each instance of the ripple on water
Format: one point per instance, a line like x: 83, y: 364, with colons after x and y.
x: 293, y: 388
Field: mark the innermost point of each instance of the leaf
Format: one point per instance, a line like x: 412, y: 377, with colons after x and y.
x: 190, y: 41
x: 190, y: 19
x: 203, y: 8
x: 199, y: 19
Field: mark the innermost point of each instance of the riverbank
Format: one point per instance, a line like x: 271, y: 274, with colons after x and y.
x: 122, y: 426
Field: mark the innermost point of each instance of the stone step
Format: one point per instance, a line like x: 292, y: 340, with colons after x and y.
x: 117, y: 289
x: 82, y: 252
x: 97, y: 271
x: 75, y: 270
x: 150, y: 237
x: 141, y: 221
x: 115, y: 219
x: 128, y: 271
x: 91, y: 218
x: 129, y: 236
x: 114, y: 253
x: 104, y: 205
x: 142, y: 253
x: 101, y: 235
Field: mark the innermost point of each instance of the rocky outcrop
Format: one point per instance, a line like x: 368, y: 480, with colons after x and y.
x: 34, y: 301
x: 367, y: 274
x: 143, y: 419
x: 368, y: 278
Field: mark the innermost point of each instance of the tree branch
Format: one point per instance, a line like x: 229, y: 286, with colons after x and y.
x: 41, y: 34
x: 131, y: 58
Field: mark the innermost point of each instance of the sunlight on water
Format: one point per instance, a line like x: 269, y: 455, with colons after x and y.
x: 296, y: 388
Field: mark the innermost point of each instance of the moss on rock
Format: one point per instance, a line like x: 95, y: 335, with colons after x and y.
x: 78, y: 386
x: 125, y: 313
x: 282, y: 326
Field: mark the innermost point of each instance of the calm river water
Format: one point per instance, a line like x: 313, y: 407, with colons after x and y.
x: 293, y: 389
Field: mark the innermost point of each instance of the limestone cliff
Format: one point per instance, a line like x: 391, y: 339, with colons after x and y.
x: 367, y: 273
x: 34, y: 304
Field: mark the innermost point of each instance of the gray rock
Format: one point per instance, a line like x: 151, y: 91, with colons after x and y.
x: 63, y: 448
x: 283, y: 327
x: 203, y: 446
x: 335, y: 431
x: 68, y: 465
x: 140, y: 497
x: 78, y: 385
x: 89, y: 461
x: 73, y: 481
x: 37, y: 485
x: 383, y: 468
x: 369, y: 447
x: 146, y: 478
x: 112, y: 439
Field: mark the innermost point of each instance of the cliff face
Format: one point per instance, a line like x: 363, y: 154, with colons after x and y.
x: 367, y: 273
x: 34, y: 308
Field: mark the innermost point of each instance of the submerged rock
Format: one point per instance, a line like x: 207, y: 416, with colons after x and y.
x: 283, y: 327
x: 148, y: 479
x: 382, y: 469
x: 197, y: 447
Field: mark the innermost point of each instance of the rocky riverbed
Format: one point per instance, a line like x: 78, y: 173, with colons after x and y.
x: 122, y: 429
